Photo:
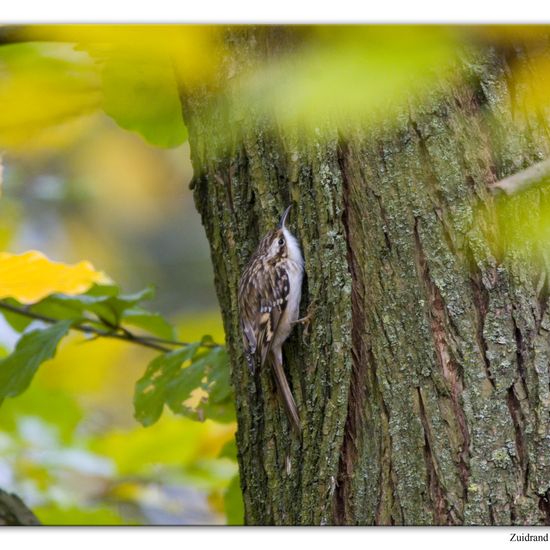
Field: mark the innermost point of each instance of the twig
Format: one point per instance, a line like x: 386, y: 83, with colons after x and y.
x: 87, y: 329
x: 179, y: 343
x: 524, y: 179
x: 145, y: 341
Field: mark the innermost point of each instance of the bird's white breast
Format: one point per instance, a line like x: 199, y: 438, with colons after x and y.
x: 295, y: 268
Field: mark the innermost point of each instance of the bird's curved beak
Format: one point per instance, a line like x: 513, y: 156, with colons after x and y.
x: 284, y: 217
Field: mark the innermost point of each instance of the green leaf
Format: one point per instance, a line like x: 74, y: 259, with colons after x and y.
x: 210, y: 372
x: 147, y: 293
x: 32, y: 349
x: 103, y: 290
x: 223, y: 412
x: 169, y: 381
x: 229, y: 450
x: 220, y: 405
x: 141, y: 95
x: 117, y: 305
x: 151, y: 322
x: 219, y: 382
x: 62, y: 307
x: 183, y: 384
x: 233, y: 503
x: 103, y: 302
x: 151, y: 392
x: 16, y: 321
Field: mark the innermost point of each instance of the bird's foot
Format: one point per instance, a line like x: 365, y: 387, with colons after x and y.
x: 306, y: 321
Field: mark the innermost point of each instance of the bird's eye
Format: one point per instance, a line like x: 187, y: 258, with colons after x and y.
x: 281, y: 242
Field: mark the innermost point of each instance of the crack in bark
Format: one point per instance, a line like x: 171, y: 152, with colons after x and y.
x: 520, y: 351
x: 514, y: 405
x: 434, y: 188
x: 544, y: 506
x: 225, y: 183
x: 437, y: 493
x: 256, y: 406
x: 491, y: 509
x: 355, y: 420
x: 388, y: 497
x: 481, y: 301
x: 542, y: 299
x: 518, y: 422
x: 448, y: 367
x: 384, y: 217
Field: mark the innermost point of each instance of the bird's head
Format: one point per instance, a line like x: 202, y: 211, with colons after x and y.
x: 275, y: 245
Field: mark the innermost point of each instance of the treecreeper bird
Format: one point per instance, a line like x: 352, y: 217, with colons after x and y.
x: 269, y: 301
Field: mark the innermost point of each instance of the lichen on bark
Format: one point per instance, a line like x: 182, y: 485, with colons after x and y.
x: 423, y: 380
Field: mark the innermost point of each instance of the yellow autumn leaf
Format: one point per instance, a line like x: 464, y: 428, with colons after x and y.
x: 31, y: 276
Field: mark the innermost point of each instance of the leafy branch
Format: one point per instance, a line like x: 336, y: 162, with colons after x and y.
x: 117, y: 332
x: 191, y: 378
x: 146, y: 341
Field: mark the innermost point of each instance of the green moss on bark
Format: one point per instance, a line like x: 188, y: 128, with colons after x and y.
x: 423, y: 382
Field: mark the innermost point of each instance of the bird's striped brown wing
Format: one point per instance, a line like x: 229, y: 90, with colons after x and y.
x: 263, y: 295
x: 273, y: 302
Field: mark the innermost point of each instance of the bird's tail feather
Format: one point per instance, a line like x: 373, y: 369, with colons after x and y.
x: 286, y: 394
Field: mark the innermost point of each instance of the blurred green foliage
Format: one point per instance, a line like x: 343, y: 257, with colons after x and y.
x: 75, y: 468
x: 141, y: 95
x: 44, y: 88
x: 344, y: 76
x: 517, y: 226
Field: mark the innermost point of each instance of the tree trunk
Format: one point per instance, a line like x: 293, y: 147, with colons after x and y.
x: 14, y: 512
x: 423, y: 381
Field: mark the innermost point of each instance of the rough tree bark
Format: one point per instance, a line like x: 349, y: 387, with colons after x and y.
x: 423, y: 382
